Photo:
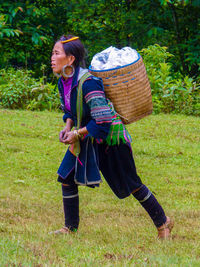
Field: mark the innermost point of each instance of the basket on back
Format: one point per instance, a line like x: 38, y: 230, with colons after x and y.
x: 129, y: 90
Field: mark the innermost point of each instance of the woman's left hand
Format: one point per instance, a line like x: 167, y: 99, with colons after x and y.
x: 71, y: 138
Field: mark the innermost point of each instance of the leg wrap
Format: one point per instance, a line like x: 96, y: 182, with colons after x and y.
x: 71, y: 206
x: 151, y: 205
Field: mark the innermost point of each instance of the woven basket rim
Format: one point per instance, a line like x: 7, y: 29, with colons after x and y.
x: 90, y: 67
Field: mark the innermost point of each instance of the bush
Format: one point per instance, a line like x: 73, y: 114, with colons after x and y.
x: 171, y: 92
x: 18, y: 90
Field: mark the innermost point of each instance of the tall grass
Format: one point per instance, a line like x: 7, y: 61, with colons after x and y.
x: 112, y: 232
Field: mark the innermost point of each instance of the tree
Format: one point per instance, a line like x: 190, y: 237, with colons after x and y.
x: 28, y: 29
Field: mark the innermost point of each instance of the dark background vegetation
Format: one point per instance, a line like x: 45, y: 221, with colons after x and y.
x: 28, y: 30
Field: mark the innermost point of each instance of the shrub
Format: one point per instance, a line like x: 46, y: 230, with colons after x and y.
x: 171, y: 92
x: 18, y: 90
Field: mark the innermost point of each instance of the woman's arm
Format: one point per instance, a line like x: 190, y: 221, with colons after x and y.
x: 101, y: 117
x: 69, y: 124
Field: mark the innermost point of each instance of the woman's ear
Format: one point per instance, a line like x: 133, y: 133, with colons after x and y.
x: 71, y: 59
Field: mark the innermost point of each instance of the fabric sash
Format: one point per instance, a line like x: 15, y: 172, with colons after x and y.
x: 75, y: 148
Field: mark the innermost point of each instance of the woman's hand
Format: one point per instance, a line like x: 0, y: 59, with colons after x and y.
x: 63, y: 135
x: 69, y: 137
x: 72, y: 137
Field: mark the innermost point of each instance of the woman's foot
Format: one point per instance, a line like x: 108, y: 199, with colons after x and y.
x: 64, y: 230
x: 164, y: 231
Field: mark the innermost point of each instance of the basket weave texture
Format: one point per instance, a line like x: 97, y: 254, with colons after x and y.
x: 129, y: 90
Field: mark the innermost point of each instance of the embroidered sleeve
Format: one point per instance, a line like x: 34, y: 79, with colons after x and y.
x: 100, y: 111
x: 101, y: 117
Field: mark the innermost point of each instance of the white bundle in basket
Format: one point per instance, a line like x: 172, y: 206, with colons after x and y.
x: 125, y: 82
x: 113, y: 57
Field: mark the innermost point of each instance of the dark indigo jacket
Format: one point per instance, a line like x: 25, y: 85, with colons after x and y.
x: 99, y: 130
x: 97, y: 118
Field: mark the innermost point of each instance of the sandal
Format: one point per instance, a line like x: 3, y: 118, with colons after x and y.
x: 63, y: 230
x: 164, y: 231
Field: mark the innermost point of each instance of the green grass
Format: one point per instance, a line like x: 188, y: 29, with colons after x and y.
x: 112, y: 232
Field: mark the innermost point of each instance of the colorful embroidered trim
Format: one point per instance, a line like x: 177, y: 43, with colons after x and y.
x: 118, y: 132
x: 100, y: 111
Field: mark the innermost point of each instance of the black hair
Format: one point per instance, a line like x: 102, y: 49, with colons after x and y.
x: 75, y: 48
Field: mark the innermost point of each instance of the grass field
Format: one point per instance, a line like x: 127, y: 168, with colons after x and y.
x: 112, y: 232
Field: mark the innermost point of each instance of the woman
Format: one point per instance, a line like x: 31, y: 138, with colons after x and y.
x: 99, y: 142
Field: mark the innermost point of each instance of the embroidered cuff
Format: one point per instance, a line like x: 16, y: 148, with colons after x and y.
x: 98, y: 130
x: 66, y: 116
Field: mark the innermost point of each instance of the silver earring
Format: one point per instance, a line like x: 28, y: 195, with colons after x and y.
x: 63, y: 71
x: 56, y: 74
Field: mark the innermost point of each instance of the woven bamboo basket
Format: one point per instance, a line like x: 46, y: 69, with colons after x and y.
x: 128, y: 89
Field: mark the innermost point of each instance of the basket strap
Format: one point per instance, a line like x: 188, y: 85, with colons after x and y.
x: 113, y: 110
x: 75, y: 147
x: 122, y: 116
x: 79, y: 102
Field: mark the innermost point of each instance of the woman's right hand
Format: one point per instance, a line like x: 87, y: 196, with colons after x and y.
x: 63, y: 135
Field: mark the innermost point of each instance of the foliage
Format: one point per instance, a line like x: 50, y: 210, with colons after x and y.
x: 5, y: 31
x: 171, y: 92
x: 31, y: 27
x: 19, y: 90
x: 29, y: 47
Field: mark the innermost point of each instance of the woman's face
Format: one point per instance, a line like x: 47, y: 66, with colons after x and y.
x: 59, y: 58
